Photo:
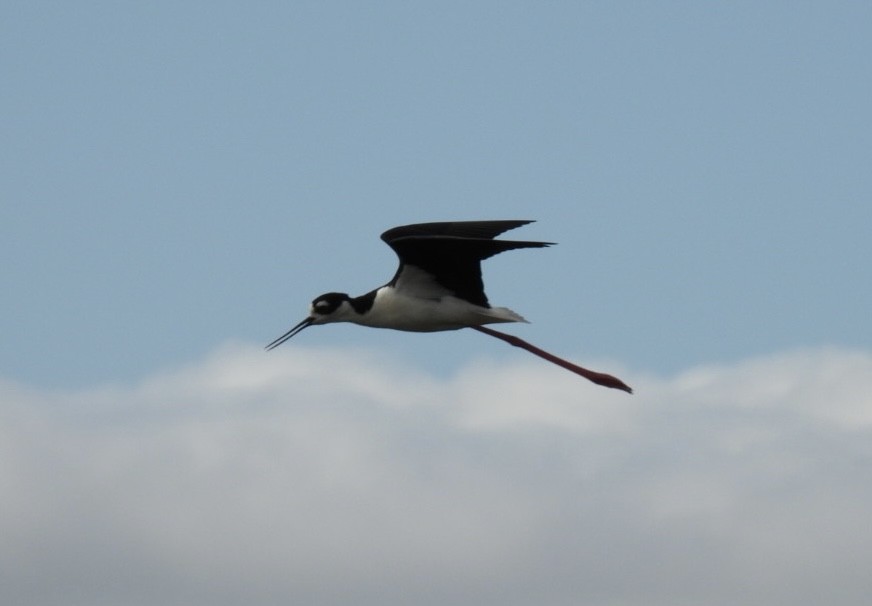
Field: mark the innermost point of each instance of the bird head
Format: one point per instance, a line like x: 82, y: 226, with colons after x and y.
x: 326, y: 308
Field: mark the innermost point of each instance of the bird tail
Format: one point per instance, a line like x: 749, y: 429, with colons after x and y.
x: 495, y: 315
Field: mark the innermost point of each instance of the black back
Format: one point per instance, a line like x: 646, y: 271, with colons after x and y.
x: 452, y: 252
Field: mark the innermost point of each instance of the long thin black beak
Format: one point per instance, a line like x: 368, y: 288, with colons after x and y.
x: 290, y: 333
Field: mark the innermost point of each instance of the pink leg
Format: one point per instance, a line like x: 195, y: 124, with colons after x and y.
x: 597, y: 377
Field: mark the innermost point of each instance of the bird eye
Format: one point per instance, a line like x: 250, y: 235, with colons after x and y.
x: 327, y: 304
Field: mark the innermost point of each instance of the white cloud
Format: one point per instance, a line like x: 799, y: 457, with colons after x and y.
x: 310, y: 476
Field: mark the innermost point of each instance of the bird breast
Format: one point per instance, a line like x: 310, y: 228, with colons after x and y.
x: 393, y: 309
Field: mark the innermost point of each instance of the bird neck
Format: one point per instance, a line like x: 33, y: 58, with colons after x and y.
x: 363, y: 303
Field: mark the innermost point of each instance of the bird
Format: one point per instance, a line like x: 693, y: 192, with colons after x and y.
x: 438, y: 287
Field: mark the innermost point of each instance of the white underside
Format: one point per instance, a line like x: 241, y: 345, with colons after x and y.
x: 393, y: 309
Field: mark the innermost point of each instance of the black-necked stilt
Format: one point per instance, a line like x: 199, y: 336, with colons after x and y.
x: 438, y: 287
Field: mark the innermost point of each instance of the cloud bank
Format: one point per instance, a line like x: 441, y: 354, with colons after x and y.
x: 327, y: 477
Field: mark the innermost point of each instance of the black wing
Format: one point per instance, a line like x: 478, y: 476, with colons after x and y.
x: 449, y: 255
x: 460, y: 229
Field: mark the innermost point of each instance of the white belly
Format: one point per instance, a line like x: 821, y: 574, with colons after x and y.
x: 402, y: 312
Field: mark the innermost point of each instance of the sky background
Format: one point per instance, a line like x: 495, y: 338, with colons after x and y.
x: 179, y: 180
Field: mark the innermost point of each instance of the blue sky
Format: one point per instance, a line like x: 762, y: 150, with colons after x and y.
x: 180, y: 175
x: 180, y: 179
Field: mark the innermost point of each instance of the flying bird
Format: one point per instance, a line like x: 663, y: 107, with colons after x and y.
x: 438, y: 287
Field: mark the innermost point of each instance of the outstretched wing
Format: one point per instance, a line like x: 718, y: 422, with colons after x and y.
x: 438, y: 259
x: 459, y: 229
